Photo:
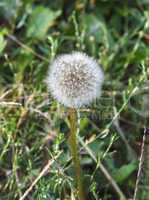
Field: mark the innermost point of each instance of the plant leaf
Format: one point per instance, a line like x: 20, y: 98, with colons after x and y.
x: 2, y: 43
x: 124, y: 172
x: 40, y: 20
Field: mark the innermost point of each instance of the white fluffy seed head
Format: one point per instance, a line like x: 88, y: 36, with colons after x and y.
x: 75, y: 79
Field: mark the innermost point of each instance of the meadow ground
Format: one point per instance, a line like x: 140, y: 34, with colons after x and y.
x: 34, y: 128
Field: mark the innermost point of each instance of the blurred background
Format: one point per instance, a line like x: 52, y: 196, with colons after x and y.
x: 34, y: 128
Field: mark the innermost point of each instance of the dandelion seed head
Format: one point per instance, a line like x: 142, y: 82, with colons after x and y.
x: 75, y: 79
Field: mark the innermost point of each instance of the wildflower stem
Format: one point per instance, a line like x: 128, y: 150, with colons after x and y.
x: 74, y: 152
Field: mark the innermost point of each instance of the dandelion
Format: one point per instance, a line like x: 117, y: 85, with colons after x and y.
x: 75, y: 79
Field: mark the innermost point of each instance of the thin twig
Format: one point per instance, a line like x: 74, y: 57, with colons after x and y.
x: 5, y: 103
x: 39, y: 112
x: 104, y: 170
x: 13, y: 38
x: 119, y: 111
x: 131, y: 153
x: 5, y: 94
x: 42, y: 173
x: 141, y: 160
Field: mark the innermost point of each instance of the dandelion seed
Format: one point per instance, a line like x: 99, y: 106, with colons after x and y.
x: 75, y: 79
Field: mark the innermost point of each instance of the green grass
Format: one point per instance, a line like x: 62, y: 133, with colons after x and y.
x: 34, y: 128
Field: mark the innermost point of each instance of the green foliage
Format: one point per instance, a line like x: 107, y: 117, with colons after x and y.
x: 9, y: 8
x: 2, y: 43
x: 121, y: 174
x: 34, y: 128
x: 40, y: 21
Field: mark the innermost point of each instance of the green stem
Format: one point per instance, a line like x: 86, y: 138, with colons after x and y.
x: 74, y: 152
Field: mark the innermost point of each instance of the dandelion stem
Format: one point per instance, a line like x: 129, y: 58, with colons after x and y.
x: 74, y: 152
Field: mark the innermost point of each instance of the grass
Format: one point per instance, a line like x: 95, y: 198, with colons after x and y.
x: 34, y: 129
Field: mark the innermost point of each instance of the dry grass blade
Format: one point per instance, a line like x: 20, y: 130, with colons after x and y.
x: 42, y: 173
